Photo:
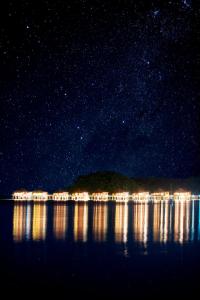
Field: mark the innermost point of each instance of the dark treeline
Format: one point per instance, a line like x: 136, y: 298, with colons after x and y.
x: 115, y: 182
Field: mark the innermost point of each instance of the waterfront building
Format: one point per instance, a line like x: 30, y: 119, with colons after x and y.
x: 22, y: 195
x: 80, y: 196
x: 100, y: 196
x: 141, y: 197
x: 60, y: 196
x: 120, y: 197
x: 22, y: 222
x: 160, y: 196
x: 39, y: 196
x: 50, y: 197
x: 182, y: 195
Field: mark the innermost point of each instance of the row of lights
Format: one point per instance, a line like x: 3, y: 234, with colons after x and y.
x: 101, y: 196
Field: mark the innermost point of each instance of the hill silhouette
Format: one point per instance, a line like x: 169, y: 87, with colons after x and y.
x: 114, y: 182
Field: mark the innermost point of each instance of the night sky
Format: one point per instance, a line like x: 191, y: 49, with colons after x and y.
x: 101, y: 85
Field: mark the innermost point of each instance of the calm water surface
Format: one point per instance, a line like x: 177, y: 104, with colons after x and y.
x: 101, y: 249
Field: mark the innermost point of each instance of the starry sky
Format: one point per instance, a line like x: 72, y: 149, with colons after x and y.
x: 98, y: 85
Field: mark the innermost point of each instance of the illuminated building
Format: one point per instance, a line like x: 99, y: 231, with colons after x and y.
x: 182, y: 196
x: 103, y: 196
x: 22, y: 195
x: 141, y: 197
x: 120, y: 197
x: 160, y: 196
x: 82, y: 196
x: 39, y: 196
x: 60, y: 196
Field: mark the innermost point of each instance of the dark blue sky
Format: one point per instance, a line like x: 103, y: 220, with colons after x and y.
x: 101, y: 85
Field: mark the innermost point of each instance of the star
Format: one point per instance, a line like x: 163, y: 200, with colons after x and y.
x: 156, y: 12
x: 114, y: 88
x: 187, y: 3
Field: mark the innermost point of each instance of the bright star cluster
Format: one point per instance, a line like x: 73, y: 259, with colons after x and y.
x: 98, y: 85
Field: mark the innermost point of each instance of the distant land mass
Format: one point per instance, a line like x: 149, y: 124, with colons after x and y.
x: 115, y: 182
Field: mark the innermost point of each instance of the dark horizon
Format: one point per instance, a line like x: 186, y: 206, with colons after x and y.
x: 93, y: 86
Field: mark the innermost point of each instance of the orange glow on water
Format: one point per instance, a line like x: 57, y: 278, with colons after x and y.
x: 100, y: 222
x: 156, y: 222
x: 19, y: 225
x: 121, y: 223
x: 140, y: 222
x: 39, y: 222
x: 182, y: 221
x: 60, y: 221
x: 81, y: 222
x: 166, y: 222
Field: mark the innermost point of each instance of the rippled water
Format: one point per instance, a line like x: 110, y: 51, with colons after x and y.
x: 101, y: 248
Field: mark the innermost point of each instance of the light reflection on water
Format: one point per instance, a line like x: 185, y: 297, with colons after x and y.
x: 140, y: 222
x: 81, y: 222
x: 60, y: 221
x: 100, y: 222
x: 39, y: 222
x: 122, y: 223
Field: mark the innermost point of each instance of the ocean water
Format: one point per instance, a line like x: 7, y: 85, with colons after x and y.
x: 100, y: 249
